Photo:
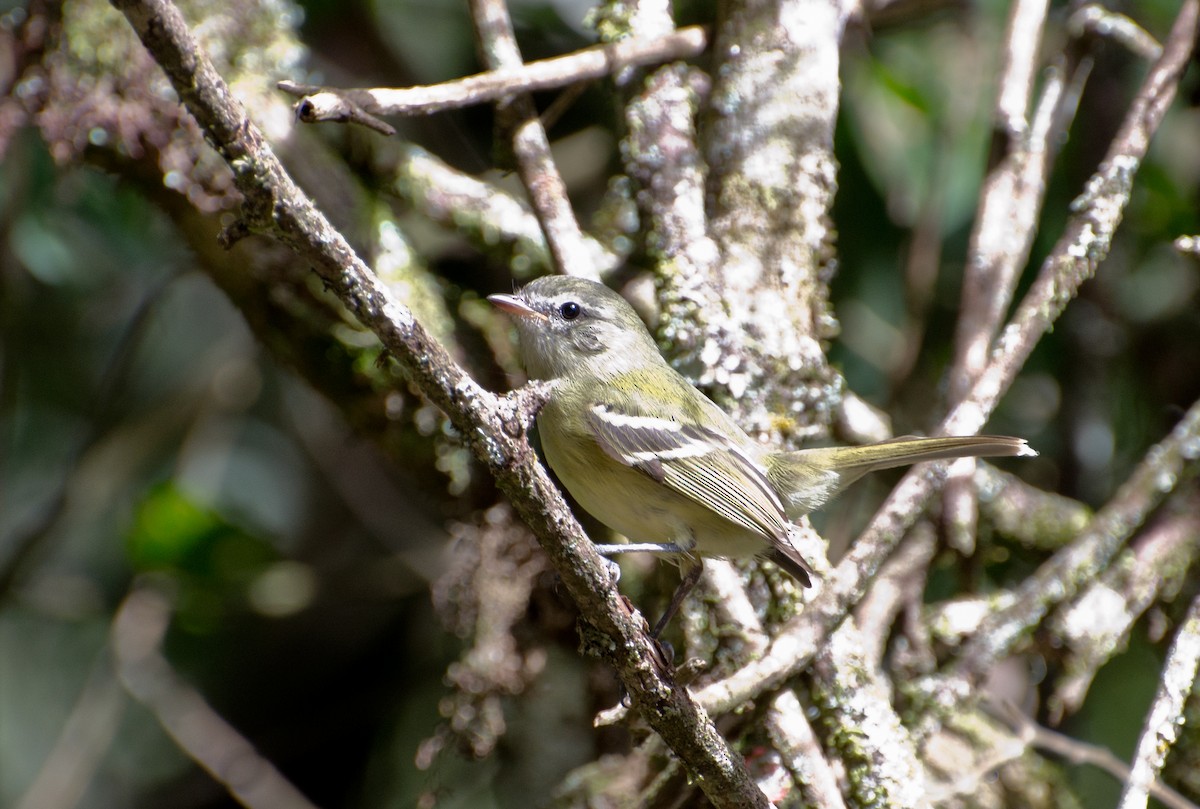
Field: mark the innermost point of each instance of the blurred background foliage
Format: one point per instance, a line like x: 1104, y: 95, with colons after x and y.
x: 147, y: 435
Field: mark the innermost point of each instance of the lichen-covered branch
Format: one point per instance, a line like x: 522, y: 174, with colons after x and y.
x: 1010, y: 201
x: 492, y: 218
x: 1097, y: 624
x: 768, y: 143
x: 1166, y: 712
x: 1079, y: 563
x: 861, y: 726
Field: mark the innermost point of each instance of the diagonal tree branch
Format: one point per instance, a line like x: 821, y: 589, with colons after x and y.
x: 1010, y: 201
x: 493, y: 427
x: 1146, y: 572
x: 1161, y: 729
x: 486, y: 214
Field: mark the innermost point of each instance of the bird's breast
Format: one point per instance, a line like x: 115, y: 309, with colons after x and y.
x: 631, y: 502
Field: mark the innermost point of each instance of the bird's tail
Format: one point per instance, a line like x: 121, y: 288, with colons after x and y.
x: 809, y: 477
x: 911, y: 449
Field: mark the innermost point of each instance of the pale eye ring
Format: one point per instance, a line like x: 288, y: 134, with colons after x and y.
x: 570, y: 310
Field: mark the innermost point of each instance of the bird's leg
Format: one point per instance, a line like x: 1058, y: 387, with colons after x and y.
x: 690, y: 577
x: 614, y: 570
x: 641, y: 547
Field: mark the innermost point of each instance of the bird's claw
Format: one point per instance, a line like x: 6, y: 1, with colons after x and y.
x: 614, y: 570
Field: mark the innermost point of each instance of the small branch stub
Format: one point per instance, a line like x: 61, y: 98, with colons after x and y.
x: 329, y: 106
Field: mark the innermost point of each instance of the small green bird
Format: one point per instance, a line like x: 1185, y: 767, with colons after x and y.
x: 654, y: 459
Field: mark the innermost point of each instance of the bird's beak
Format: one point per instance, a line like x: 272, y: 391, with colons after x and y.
x: 515, y: 306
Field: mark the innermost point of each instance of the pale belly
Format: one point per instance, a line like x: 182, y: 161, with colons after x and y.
x: 639, y: 507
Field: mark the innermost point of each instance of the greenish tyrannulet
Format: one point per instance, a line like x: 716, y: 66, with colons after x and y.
x: 654, y: 459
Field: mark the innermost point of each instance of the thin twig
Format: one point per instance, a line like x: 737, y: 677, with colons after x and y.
x: 1096, y: 626
x: 1165, y: 716
x: 1033, y: 517
x: 586, y: 64
x: 900, y: 583
x: 86, y: 738
x: 1022, y: 41
x: 792, y: 735
x: 732, y: 612
x: 1010, y: 202
x: 1077, y: 752
x: 334, y: 107
x: 530, y: 146
x: 1100, y: 21
x: 483, y: 212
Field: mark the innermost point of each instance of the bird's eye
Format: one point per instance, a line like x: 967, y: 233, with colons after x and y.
x: 569, y: 310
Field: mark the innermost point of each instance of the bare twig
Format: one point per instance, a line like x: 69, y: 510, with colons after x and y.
x: 83, y: 743
x: 530, y: 146
x: 1165, y: 717
x: 1028, y: 515
x: 332, y: 104
x: 899, y: 585
x: 1022, y: 39
x: 1100, y: 21
x: 793, y: 736
x: 335, y: 107
x: 482, y: 212
x: 1078, y: 563
x: 1077, y: 752
x: 1010, y: 201
x: 954, y: 620
x: 732, y: 611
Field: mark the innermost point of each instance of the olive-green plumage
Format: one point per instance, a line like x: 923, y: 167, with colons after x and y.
x: 654, y: 459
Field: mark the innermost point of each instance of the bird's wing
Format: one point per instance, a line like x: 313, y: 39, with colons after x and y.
x: 696, y: 462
